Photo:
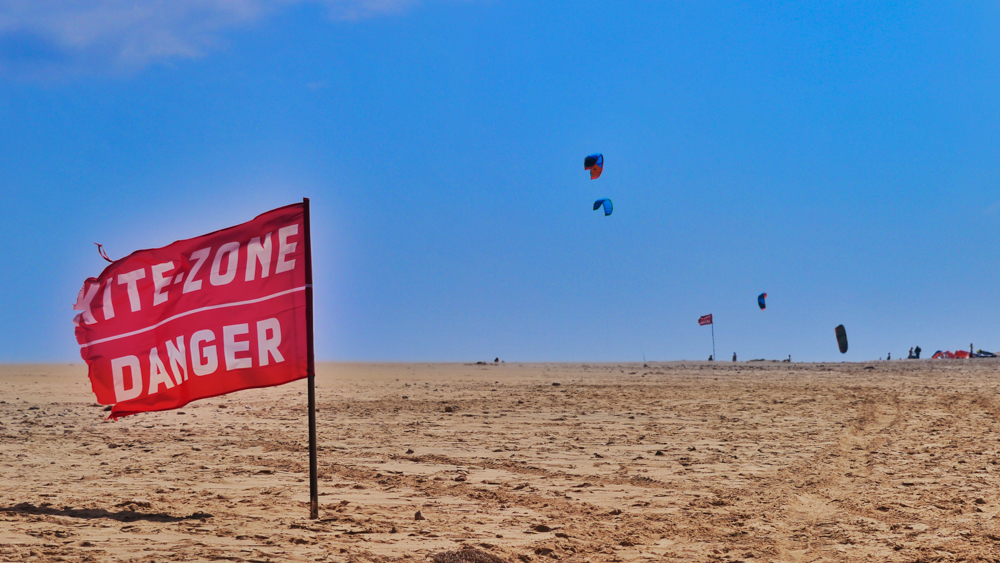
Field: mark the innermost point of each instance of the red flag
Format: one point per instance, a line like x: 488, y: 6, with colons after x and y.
x: 200, y: 317
x: 705, y: 320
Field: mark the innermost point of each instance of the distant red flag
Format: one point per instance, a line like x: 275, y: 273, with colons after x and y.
x: 200, y: 317
x: 705, y: 320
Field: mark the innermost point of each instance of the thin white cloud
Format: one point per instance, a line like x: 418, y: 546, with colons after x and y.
x: 357, y: 9
x: 40, y: 37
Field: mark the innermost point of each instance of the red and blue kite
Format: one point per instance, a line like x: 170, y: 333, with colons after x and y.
x: 594, y: 163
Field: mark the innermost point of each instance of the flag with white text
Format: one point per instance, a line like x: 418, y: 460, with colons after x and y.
x: 705, y: 320
x: 201, y: 317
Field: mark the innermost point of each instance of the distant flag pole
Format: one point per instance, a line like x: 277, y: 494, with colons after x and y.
x: 707, y: 320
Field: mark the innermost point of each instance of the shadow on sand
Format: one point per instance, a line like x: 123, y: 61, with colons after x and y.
x: 93, y: 513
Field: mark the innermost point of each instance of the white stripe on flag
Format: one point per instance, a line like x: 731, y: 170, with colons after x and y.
x: 193, y: 311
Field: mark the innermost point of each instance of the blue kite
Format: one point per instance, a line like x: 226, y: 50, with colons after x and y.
x: 608, y: 207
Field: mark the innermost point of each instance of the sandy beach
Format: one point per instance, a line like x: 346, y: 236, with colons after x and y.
x: 681, y: 461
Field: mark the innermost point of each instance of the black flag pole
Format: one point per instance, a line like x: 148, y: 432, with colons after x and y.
x: 310, y: 369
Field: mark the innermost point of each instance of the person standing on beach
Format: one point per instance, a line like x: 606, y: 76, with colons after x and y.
x: 916, y: 352
x: 734, y: 356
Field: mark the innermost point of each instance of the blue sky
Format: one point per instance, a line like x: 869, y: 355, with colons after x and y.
x: 842, y: 157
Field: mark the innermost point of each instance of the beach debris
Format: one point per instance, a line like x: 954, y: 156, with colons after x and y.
x: 659, y: 452
x: 606, y: 203
x: 419, y: 516
x: 460, y: 477
x: 449, y: 409
x: 409, y: 451
x: 466, y: 555
x: 541, y: 528
x: 556, y: 384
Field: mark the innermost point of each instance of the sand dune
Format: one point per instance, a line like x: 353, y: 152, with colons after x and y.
x: 685, y: 461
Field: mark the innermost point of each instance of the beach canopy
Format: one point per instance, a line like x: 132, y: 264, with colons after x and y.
x: 608, y: 207
x: 594, y: 163
x: 760, y: 301
x: 841, y: 338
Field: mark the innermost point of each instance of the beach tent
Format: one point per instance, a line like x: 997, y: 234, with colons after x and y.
x: 939, y: 355
x: 961, y: 354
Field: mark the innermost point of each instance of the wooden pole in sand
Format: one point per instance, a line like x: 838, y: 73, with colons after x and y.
x: 310, y: 369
